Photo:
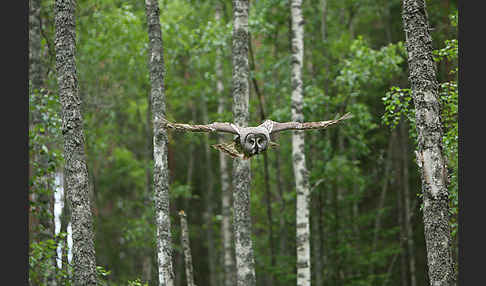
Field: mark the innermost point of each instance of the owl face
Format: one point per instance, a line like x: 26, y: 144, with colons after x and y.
x: 254, y: 143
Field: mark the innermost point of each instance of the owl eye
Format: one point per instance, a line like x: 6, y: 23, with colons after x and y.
x: 252, y: 141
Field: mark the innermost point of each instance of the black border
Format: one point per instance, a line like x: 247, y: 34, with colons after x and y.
x: 14, y: 118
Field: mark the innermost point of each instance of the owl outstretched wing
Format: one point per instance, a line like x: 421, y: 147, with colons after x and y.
x: 282, y: 126
x: 212, y: 127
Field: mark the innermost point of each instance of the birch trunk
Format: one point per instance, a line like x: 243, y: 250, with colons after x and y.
x: 75, y: 169
x: 430, y: 158
x: 245, y: 263
x: 161, y: 171
x: 227, y: 233
x: 298, y: 155
x: 406, y: 195
x: 186, y: 246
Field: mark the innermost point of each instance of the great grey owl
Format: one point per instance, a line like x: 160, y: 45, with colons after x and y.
x: 251, y: 141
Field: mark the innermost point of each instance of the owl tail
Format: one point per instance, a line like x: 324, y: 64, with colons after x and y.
x: 229, y: 149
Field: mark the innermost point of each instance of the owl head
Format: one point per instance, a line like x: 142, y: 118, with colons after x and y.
x: 254, y: 143
x: 253, y: 140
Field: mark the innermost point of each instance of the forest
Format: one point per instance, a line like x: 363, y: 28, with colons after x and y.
x: 243, y: 142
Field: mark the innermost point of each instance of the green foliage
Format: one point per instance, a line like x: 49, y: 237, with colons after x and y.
x: 367, y: 66
x: 42, y: 258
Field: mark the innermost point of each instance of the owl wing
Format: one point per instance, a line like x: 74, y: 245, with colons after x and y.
x: 212, y: 127
x: 282, y: 126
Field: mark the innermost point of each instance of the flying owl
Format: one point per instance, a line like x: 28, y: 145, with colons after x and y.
x: 251, y: 141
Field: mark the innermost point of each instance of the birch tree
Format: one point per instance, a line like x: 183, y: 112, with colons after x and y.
x: 161, y: 170
x: 75, y: 169
x: 245, y: 264
x: 430, y: 157
x: 186, y: 245
x: 298, y: 156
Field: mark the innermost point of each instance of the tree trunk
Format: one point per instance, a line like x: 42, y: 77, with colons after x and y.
x: 406, y: 195
x: 245, y: 263
x: 187, y: 249
x: 161, y: 171
x: 298, y: 155
x: 75, y: 169
x: 430, y: 158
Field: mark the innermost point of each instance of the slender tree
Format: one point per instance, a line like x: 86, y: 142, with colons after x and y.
x: 298, y: 143
x: 186, y: 245
x: 245, y: 263
x: 75, y: 169
x: 161, y: 170
x: 226, y: 196
x: 430, y: 157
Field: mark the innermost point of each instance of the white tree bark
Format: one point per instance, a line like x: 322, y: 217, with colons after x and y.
x: 161, y: 171
x: 186, y: 245
x: 245, y: 263
x: 298, y: 155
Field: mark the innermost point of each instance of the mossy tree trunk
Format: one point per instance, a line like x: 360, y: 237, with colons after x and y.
x: 75, y: 169
x: 430, y: 157
x: 161, y: 168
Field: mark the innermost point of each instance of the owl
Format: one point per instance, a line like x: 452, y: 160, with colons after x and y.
x: 251, y: 141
